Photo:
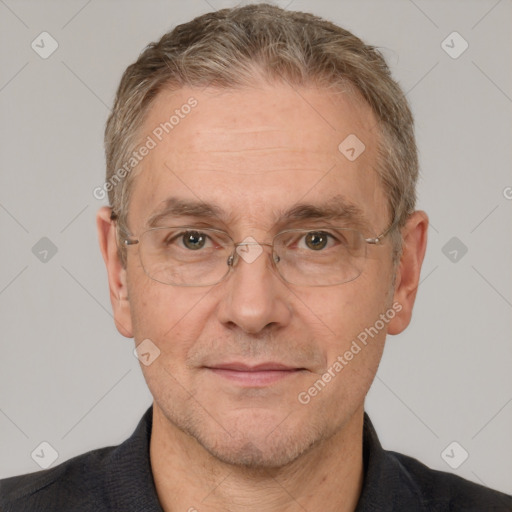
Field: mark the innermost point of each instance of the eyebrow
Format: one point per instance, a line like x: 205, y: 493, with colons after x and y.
x: 336, y: 208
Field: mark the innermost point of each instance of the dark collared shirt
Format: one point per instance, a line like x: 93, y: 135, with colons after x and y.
x: 119, y: 479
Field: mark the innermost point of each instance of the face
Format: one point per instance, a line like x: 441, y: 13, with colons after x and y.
x: 239, y: 360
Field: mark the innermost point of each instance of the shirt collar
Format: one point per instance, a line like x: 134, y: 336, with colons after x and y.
x: 132, y: 488
x: 130, y: 479
x: 386, y: 481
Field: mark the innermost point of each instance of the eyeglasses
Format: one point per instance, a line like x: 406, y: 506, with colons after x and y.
x: 192, y: 256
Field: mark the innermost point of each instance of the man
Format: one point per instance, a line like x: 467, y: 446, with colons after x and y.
x: 260, y: 244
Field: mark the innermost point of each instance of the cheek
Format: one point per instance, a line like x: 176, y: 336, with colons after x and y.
x: 170, y: 317
x: 339, y: 314
x: 172, y: 321
x: 351, y: 335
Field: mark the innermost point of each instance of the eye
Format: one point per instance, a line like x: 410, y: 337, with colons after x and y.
x: 194, y: 240
x: 316, y: 240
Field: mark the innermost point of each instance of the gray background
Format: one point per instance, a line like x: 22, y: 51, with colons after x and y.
x: 67, y: 377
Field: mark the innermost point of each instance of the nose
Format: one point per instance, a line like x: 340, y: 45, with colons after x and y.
x: 253, y: 296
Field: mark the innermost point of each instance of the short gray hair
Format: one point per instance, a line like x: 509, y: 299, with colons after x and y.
x: 227, y: 49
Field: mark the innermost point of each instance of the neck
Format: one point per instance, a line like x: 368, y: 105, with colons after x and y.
x: 328, y: 477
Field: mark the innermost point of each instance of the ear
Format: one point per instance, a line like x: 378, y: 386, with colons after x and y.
x: 115, y: 270
x: 414, y: 235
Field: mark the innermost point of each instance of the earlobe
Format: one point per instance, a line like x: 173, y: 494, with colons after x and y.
x: 115, y: 270
x: 409, y: 269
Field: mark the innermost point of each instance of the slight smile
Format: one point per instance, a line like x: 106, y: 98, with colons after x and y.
x: 254, y: 376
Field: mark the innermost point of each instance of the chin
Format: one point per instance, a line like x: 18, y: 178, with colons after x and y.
x: 256, y: 441
x: 256, y: 454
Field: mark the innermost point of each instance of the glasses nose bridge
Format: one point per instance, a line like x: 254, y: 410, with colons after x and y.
x: 238, y: 244
x: 233, y: 258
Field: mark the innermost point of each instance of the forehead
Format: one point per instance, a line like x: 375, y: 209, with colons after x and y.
x: 246, y: 149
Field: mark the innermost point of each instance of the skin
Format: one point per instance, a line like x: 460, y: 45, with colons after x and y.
x: 216, y: 444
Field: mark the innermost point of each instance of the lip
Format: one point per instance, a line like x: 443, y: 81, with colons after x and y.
x: 242, y: 367
x: 259, y: 375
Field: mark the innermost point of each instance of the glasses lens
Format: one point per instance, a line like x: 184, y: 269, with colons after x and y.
x: 320, y: 257
x: 188, y: 256
x: 185, y: 256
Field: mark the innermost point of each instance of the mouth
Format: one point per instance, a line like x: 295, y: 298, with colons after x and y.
x: 254, y: 375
